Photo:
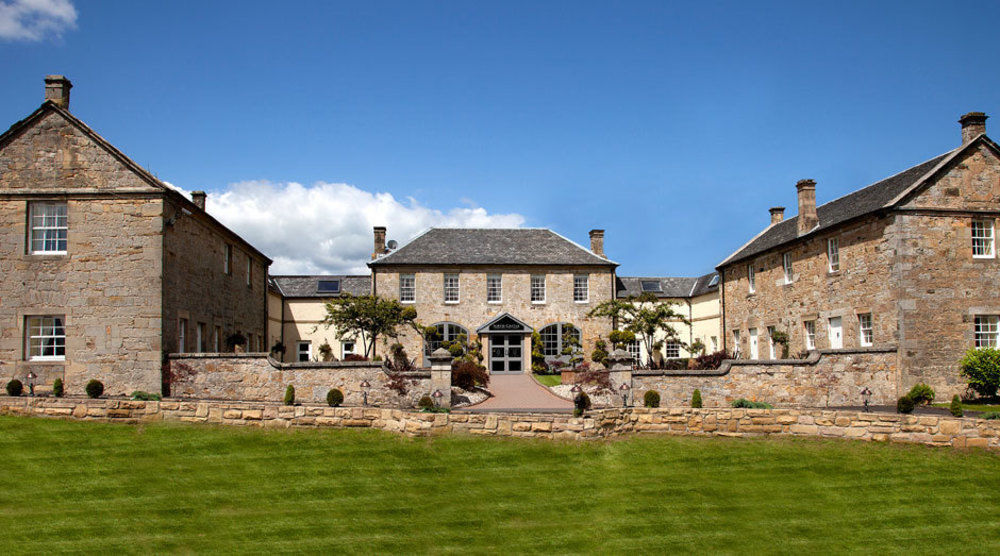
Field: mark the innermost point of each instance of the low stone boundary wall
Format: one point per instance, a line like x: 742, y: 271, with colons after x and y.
x: 606, y: 423
x: 825, y: 378
x: 258, y: 377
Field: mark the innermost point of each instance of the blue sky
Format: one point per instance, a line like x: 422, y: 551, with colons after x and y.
x: 674, y: 127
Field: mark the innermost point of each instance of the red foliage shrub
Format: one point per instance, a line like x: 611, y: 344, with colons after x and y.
x: 355, y: 357
x: 712, y: 360
x: 467, y: 374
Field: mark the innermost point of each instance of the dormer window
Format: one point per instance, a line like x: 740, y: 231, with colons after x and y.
x: 714, y: 281
x: 328, y: 286
x: 652, y: 286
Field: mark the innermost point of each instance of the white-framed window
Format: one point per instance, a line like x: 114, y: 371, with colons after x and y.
x: 249, y: 270
x: 736, y: 344
x: 581, y: 288
x: 810, y: 329
x: 45, y: 338
x: 407, y: 288
x: 633, y: 350
x: 786, y: 263
x: 182, y: 329
x: 987, y: 328
x: 49, y: 228
x: 672, y: 350
x: 538, y: 288
x: 444, y: 333
x: 833, y: 254
x: 200, y: 337
x: 303, y: 351
x: 983, y: 246
x: 754, y: 352
x: 227, y: 259
x: 217, y: 339
x: 555, y: 338
x: 865, y: 334
x: 751, y: 279
x: 494, y: 288
x: 346, y: 348
x: 451, y: 292
x: 771, y: 347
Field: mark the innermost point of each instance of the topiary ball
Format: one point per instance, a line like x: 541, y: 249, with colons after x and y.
x: 334, y: 397
x: 651, y: 398
x: 14, y: 388
x: 425, y: 402
x: 95, y: 388
x: 905, y: 405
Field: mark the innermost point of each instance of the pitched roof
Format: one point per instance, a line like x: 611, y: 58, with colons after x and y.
x: 308, y: 286
x: 871, y: 199
x: 492, y: 246
x: 669, y: 286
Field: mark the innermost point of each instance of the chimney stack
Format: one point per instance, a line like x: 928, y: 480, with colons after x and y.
x: 57, y: 90
x: 777, y: 214
x: 198, y: 197
x: 807, y: 206
x: 379, y: 248
x: 597, y: 242
x: 973, y: 125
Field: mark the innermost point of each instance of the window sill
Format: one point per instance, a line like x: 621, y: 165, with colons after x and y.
x: 494, y: 302
x: 47, y: 360
x: 408, y: 302
x: 538, y: 302
x: 584, y: 302
x: 451, y: 302
x: 984, y: 257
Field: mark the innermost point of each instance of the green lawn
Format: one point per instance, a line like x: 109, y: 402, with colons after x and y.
x: 971, y: 406
x: 549, y: 380
x: 89, y: 487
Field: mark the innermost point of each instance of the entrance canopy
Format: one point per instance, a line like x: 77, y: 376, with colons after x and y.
x: 505, y: 324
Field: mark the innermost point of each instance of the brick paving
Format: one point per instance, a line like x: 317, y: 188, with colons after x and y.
x: 520, y: 392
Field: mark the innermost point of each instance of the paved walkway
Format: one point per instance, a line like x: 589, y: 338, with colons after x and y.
x: 520, y: 392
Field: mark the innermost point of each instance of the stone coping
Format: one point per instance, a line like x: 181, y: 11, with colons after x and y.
x: 420, y: 373
x: 727, y: 364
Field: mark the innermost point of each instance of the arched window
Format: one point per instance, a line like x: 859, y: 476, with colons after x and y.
x: 555, y: 338
x: 444, y: 332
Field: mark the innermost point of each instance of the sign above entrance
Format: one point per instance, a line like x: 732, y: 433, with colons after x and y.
x: 505, y: 324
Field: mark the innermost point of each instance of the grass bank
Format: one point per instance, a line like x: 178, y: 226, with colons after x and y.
x: 75, y: 486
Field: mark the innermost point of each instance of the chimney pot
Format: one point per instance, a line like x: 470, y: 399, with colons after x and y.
x: 57, y: 90
x: 808, y: 218
x: 973, y: 125
x: 777, y: 214
x: 597, y: 242
x: 379, y: 247
x: 198, y: 197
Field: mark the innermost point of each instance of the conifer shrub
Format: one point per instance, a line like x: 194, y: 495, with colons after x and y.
x: 651, y: 398
x: 956, y: 406
x: 334, y: 397
x: 905, y: 405
x: 696, y: 399
x: 94, y: 389
x: 14, y: 388
x: 921, y: 394
x: 57, y: 388
x: 290, y: 395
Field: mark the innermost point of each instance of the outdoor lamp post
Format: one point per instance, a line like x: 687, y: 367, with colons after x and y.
x: 31, y: 383
x: 866, y: 397
x: 364, y: 391
x: 437, y: 395
x: 624, y: 390
x: 576, y: 389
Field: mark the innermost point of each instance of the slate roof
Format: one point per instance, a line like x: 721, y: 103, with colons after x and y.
x: 671, y: 286
x: 308, y: 286
x: 868, y: 200
x: 492, y: 246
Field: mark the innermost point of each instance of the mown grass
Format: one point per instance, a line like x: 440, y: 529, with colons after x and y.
x: 972, y: 407
x: 89, y: 487
x: 549, y: 380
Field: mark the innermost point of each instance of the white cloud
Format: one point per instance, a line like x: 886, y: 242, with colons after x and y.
x: 34, y: 20
x: 327, y: 227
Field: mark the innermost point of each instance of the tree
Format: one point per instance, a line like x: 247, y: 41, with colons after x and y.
x: 643, y: 316
x: 367, y: 317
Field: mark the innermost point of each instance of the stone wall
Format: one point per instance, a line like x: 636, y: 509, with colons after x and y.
x: 258, y: 377
x: 608, y: 423
x: 828, y: 378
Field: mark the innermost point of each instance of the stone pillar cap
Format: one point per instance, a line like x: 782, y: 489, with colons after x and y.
x: 440, y: 355
x: 619, y: 355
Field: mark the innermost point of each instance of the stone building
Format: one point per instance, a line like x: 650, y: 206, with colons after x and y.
x: 297, y: 307
x: 499, y: 285
x: 696, y: 299
x: 105, y: 268
x: 909, y: 263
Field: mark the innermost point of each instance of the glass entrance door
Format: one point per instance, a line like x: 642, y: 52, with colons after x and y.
x: 505, y: 353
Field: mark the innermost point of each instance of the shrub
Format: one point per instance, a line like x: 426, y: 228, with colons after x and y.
x: 334, y: 397
x: 905, y: 405
x: 956, y: 406
x: 747, y: 404
x: 921, y: 394
x: 468, y: 374
x: 145, y: 396
x: 57, y: 388
x: 651, y: 398
x: 582, y: 401
x: 600, y: 353
x: 355, y: 357
x: 398, y: 361
x: 14, y: 388
x: 425, y: 402
x: 94, y: 388
x: 290, y: 395
x: 712, y: 360
x: 326, y: 351
x: 696, y: 399
x: 991, y: 415
x: 981, y: 368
